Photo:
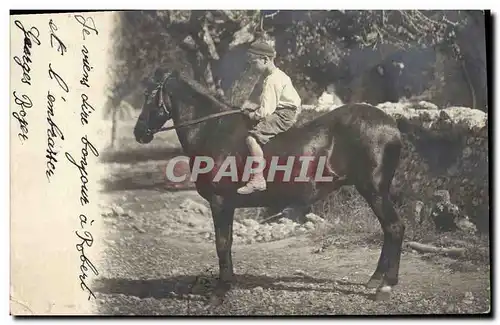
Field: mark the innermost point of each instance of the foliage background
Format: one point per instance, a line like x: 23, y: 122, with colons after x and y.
x: 443, y: 52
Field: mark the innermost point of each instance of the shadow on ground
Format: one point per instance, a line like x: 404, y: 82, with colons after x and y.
x: 140, y: 154
x: 144, y: 182
x: 180, y: 286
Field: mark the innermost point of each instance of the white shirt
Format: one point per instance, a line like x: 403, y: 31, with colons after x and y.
x: 277, y: 89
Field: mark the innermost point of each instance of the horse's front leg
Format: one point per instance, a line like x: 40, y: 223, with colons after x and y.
x: 222, y: 214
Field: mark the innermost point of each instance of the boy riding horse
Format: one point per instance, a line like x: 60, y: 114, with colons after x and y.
x: 277, y: 110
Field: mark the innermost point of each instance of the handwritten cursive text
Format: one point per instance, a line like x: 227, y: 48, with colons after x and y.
x: 59, y: 79
x: 61, y: 47
x: 84, y: 198
x: 86, y: 108
x: 30, y: 37
x: 23, y: 102
x: 53, y: 131
x: 88, y: 25
x: 85, y: 240
x: 86, y: 67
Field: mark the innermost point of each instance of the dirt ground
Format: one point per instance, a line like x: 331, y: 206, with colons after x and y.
x: 158, y: 263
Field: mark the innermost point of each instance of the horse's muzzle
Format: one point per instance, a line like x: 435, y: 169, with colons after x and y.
x: 145, y: 139
x: 142, y: 134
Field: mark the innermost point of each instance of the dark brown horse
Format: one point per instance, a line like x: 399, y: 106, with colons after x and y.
x: 362, y: 145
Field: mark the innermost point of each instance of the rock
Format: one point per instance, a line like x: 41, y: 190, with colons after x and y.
x: 278, y: 234
x: 300, y: 273
x: 447, y: 216
x: 427, y: 105
x: 250, y: 240
x: 194, y: 221
x: 189, y: 205
x: 266, y: 227
x: 262, y: 231
x: 301, y: 230
x: 309, y: 225
x: 251, y: 233
x: 258, y: 289
x: 238, y: 239
x: 468, y: 298
x: 267, y: 237
x: 250, y: 223
x: 314, y: 218
x: 118, y: 210
x: 319, y: 250
x: 107, y: 212
x: 441, y: 196
x: 278, y: 226
x: 465, y: 225
x: 241, y: 231
x: 238, y: 226
x: 285, y: 221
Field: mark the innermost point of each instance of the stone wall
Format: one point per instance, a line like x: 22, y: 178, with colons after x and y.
x: 444, y: 149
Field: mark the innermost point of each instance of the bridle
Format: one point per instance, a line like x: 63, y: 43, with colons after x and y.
x: 161, y: 103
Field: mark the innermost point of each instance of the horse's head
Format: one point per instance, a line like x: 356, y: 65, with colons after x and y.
x: 156, y: 110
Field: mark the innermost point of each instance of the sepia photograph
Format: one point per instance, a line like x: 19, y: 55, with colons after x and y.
x: 250, y: 163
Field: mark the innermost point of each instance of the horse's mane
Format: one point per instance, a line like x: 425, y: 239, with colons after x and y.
x: 202, y: 91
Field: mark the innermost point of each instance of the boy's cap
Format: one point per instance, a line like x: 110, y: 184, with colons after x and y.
x: 261, y: 48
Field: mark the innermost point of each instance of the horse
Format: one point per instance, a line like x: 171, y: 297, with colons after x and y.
x: 360, y: 142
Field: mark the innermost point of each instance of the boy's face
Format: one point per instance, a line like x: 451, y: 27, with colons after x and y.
x: 260, y: 62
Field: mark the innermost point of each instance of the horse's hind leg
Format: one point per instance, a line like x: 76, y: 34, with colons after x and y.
x: 376, y: 193
x: 386, y: 273
x: 223, y: 214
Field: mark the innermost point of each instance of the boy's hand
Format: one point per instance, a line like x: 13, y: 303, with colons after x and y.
x: 251, y: 114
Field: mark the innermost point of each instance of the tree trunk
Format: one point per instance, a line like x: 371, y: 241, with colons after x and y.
x: 114, y: 122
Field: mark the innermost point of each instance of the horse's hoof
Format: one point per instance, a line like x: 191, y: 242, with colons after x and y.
x: 373, y: 283
x: 383, y: 293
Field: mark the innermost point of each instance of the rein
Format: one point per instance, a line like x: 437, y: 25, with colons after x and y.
x: 199, y: 120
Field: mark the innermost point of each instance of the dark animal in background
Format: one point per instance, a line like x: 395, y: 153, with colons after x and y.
x: 379, y: 85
